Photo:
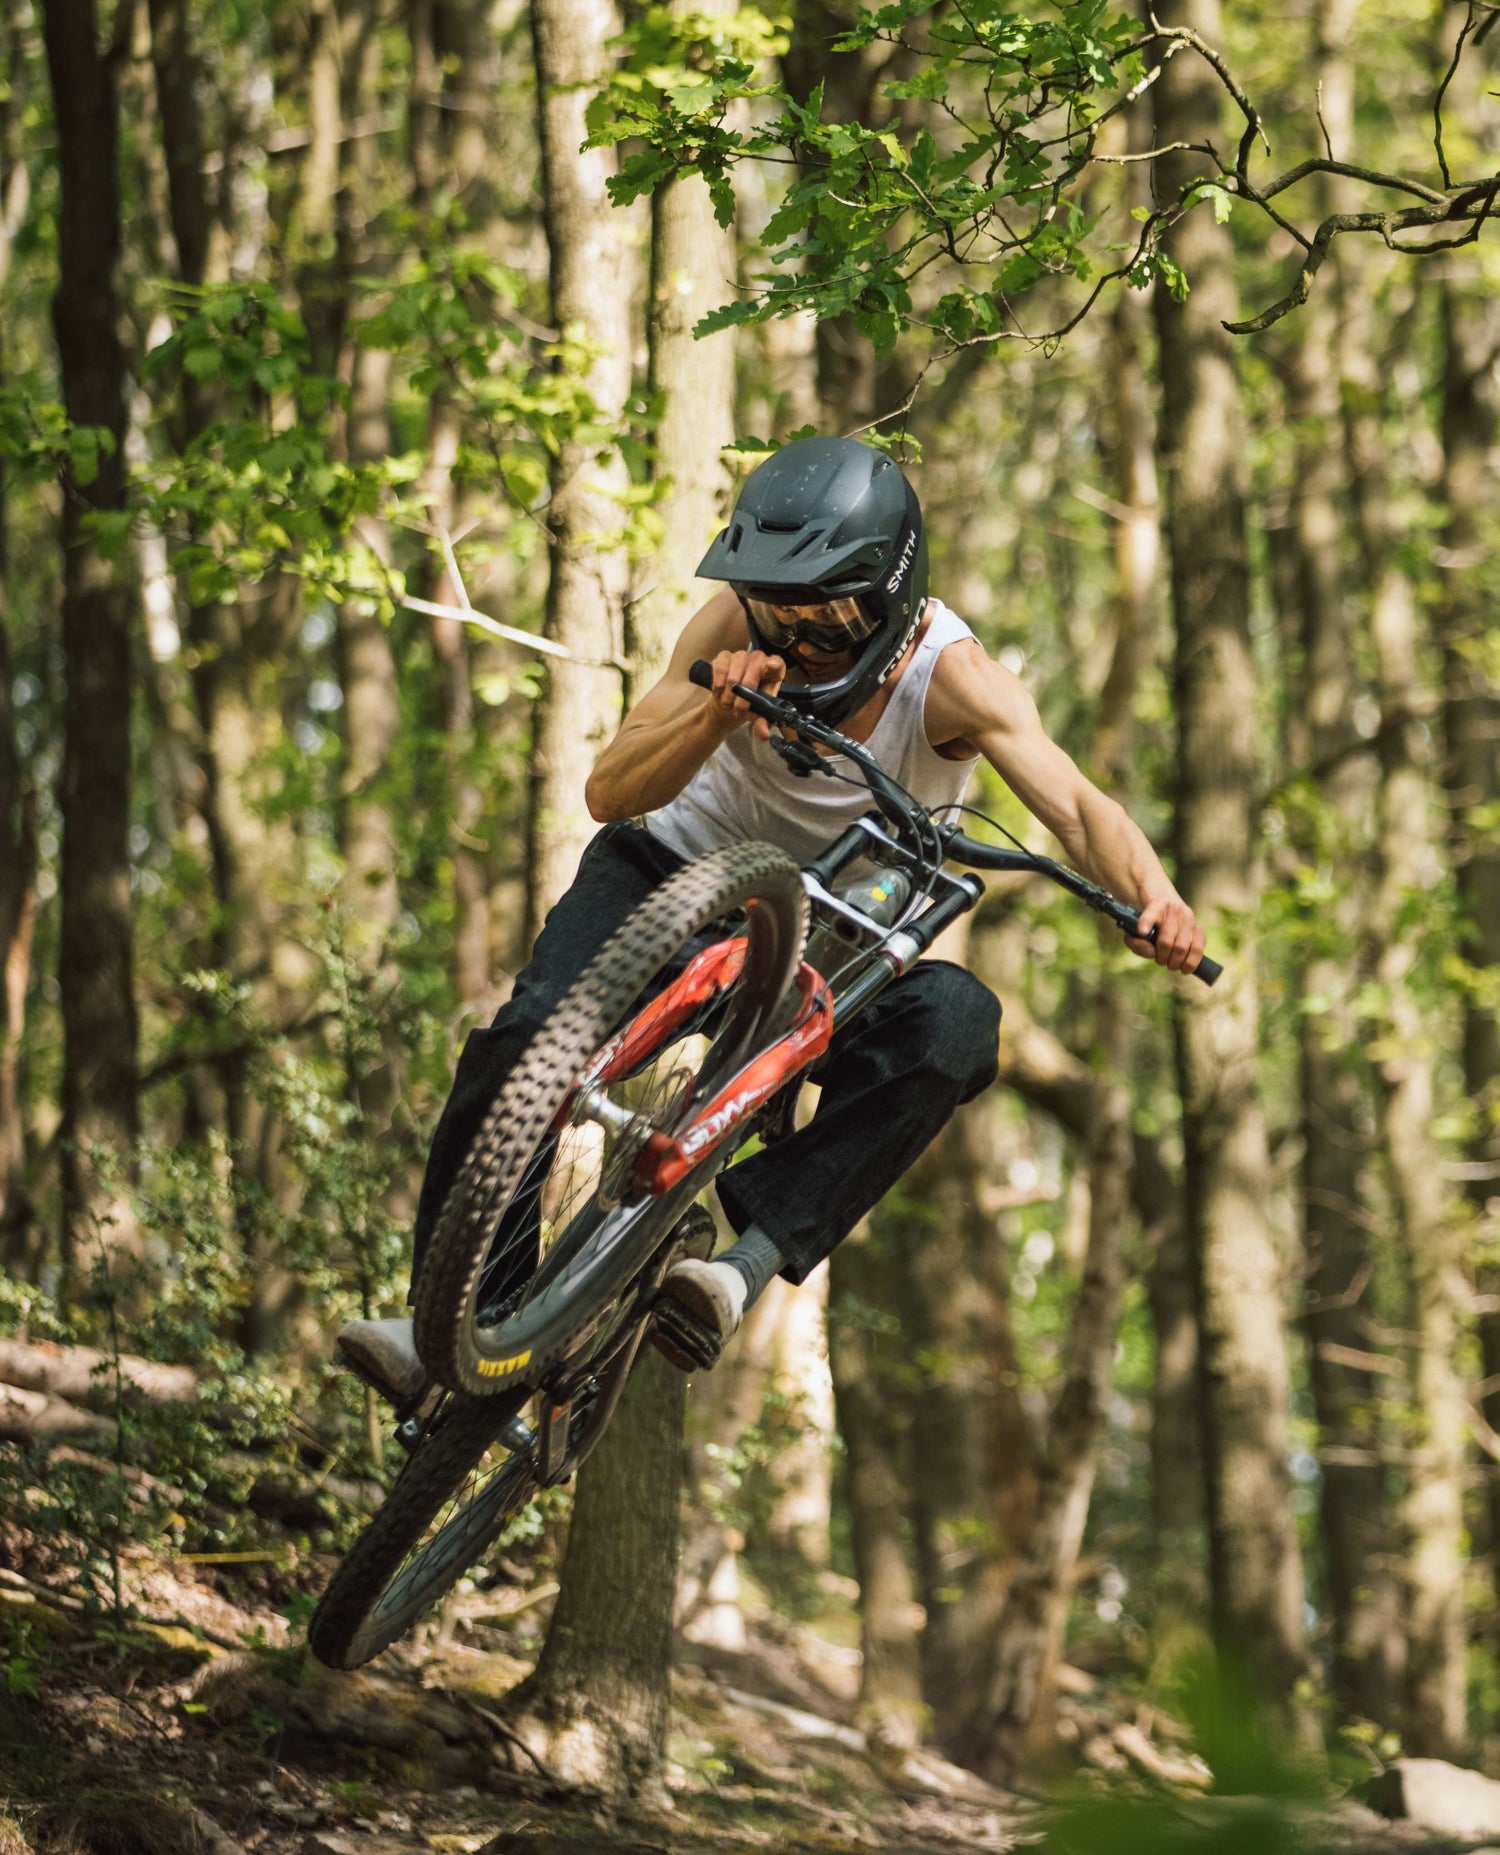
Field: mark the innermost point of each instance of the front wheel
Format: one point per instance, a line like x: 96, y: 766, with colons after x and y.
x: 542, y: 1232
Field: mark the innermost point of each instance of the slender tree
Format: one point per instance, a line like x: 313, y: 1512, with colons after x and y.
x: 865, y: 1365
x: 1029, y: 1634
x: 17, y: 801
x: 692, y: 261
x: 591, y: 270
x: 1435, y: 1235
x: 1471, y: 739
x: 602, y: 1682
x: 449, y: 150
x: 100, y: 1079
x: 1338, y: 821
x: 17, y: 924
x: 1176, y: 1421
x: 1255, y: 1563
x: 1031, y: 1627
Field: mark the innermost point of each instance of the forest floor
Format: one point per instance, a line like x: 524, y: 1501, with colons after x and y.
x: 199, y: 1725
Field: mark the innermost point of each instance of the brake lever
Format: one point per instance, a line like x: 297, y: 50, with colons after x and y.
x: 802, y: 759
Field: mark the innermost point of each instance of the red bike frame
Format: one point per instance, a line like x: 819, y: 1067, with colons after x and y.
x: 667, y: 1159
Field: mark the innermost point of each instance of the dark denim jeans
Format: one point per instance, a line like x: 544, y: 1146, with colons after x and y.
x: 891, y: 1078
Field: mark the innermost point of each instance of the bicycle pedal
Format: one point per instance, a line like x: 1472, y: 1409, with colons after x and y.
x: 691, y: 1344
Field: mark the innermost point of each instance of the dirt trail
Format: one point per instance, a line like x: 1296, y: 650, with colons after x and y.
x: 209, y: 1731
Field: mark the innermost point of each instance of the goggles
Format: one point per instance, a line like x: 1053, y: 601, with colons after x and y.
x: 833, y: 625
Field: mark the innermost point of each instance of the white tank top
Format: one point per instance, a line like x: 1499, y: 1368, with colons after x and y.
x: 745, y: 790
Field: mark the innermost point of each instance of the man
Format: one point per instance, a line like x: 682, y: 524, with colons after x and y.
x: 826, y: 604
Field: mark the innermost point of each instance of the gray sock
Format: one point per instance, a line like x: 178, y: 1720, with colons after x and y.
x: 757, y: 1259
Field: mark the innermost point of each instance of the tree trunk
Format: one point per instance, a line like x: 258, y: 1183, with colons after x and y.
x: 1017, y: 1703
x: 235, y: 652
x: 1030, y: 1635
x: 17, y: 800
x: 972, y: 1477
x: 178, y: 74
x: 1404, y: 817
x: 596, y: 1707
x: 867, y: 1401
x: 1471, y: 738
x: 100, y: 1107
x: 431, y: 134
x: 17, y: 925
x: 691, y: 256
x: 1471, y: 719
x: 1335, y: 1110
x: 589, y: 251
x: 601, y: 1686
x: 848, y: 372
x: 1255, y: 1562
x: 803, y: 1470
x: 372, y: 706
x: 1435, y: 1234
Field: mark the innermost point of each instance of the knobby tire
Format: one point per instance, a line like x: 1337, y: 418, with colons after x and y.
x: 375, y: 1595
x: 458, y: 1351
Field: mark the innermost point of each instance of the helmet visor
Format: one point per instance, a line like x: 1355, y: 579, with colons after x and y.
x: 832, y: 625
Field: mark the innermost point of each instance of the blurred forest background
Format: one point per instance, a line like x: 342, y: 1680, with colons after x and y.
x: 357, y: 449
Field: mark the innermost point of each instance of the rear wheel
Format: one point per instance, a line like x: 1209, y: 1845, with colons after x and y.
x: 449, y: 1504
x: 542, y: 1233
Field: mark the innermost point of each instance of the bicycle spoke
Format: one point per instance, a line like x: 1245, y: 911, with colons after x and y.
x: 555, y: 1193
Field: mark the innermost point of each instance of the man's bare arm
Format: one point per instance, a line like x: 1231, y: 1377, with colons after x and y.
x: 982, y: 704
x: 676, y: 726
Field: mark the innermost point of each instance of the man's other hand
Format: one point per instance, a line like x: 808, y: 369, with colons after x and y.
x: 756, y: 670
x: 1179, y: 939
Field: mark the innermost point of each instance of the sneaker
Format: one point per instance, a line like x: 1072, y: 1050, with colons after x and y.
x: 384, y: 1354
x: 700, y: 1307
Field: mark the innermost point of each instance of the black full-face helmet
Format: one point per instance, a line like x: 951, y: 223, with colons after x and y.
x: 825, y: 520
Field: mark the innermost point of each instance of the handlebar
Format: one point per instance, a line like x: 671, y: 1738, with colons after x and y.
x: 897, y: 804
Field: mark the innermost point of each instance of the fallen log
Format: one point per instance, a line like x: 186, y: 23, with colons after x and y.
x: 1188, y: 1773
x: 312, y: 1503
x: 34, y: 1417
x: 83, y: 1374
x: 324, y: 1712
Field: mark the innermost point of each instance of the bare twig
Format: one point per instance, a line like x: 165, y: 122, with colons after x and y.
x: 1475, y: 203
x: 512, y: 1737
x: 1399, y: 182
x: 445, y: 541
x: 1483, y: 1433
x: 1358, y: 1361
x: 897, y: 412
x: 1442, y: 91
x: 1254, y: 128
x: 1323, y: 123
x: 512, y: 634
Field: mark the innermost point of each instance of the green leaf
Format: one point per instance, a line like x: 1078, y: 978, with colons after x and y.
x: 83, y: 453
x: 203, y: 360
x: 727, y: 315
x: 111, y: 530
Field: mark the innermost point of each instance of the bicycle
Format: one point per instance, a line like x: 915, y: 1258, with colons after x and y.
x: 692, y: 1030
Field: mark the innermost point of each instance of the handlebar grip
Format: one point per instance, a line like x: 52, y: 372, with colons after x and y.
x: 757, y: 701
